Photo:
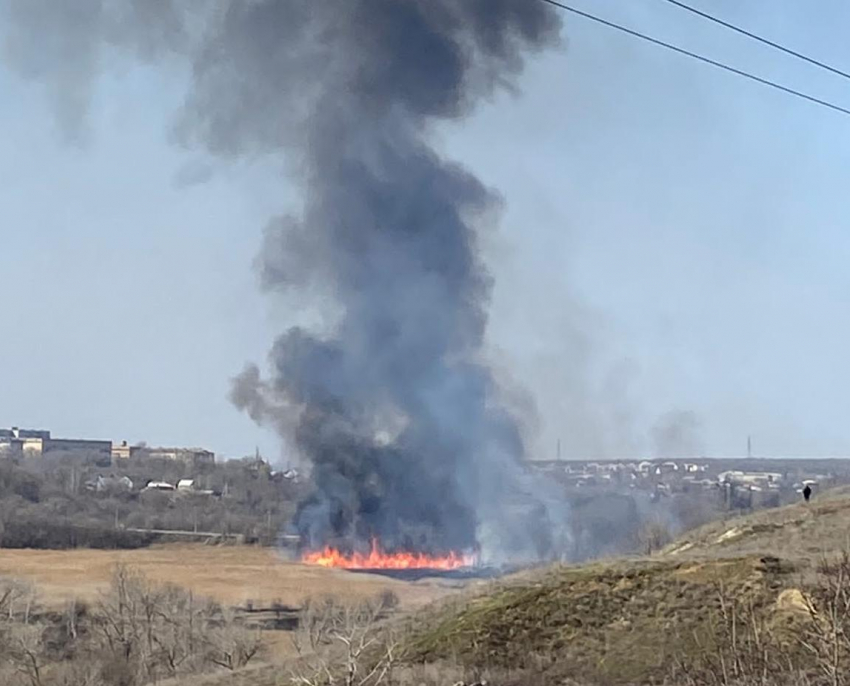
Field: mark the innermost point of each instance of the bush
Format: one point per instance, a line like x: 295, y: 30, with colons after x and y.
x: 43, y: 534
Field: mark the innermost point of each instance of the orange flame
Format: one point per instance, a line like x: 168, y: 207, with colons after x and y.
x: 377, y: 559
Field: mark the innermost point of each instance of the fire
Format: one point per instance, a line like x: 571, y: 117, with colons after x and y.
x: 377, y: 559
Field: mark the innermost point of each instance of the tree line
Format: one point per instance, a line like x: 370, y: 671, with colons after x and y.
x: 54, y: 502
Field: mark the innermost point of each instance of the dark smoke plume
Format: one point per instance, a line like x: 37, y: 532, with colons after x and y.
x: 393, y: 405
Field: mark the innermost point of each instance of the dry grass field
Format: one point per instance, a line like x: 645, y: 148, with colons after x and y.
x: 232, y: 575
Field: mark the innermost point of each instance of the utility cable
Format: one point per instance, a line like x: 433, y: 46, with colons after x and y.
x: 760, y: 39
x: 696, y: 56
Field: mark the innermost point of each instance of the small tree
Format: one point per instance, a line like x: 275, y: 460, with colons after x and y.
x: 344, y: 645
x: 230, y: 645
x: 146, y: 632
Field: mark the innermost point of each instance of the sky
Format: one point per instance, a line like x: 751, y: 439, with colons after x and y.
x: 670, y: 258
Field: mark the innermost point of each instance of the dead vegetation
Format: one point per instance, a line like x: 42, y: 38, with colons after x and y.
x: 701, y: 613
x: 739, y: 645
x: 725, y: 622
x: 802, y: 532
x: 137, y: 633
x: 610, y: 624
x: 804, y: 642
x: 231, y: 575
x: 345, y: 644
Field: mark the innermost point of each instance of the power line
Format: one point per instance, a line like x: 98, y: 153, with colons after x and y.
x: 760, y: 39
x: 701, y: 58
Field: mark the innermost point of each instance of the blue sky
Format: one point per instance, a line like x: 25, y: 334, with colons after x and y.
x: 672, y: 239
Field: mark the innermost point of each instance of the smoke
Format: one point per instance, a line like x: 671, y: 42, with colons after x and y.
x: 395, y: 410
x: 391, y: 403
x: 677, y: 434
x: 63, y: 45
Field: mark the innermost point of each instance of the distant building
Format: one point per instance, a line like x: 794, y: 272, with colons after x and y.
x: 16, y: 433
x: 749, y: 478
x: 121, y: 451
x: 37, y: 442
x: 77, y: 445
x: 158, y: 486
x: 22, y: 442
x: 17, y: 442
x: 193, y: 456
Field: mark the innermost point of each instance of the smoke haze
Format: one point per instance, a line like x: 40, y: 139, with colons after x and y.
x: 677, y: 434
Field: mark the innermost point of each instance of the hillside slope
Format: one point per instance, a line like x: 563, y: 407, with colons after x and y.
x: 803, y: 532
x: 608, y: 624
x: 628, y: 621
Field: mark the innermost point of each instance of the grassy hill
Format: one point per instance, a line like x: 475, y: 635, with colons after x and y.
x: 629, y: 621
x: 613, y: 624
x: 803, y: 532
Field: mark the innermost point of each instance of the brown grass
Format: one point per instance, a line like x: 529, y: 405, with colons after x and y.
x: 620, y: 623
x: 626, y: 621
x: 232, y: 575
x: 803, y: 532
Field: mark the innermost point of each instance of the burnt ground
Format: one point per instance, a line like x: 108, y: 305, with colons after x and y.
x: 424, y: 573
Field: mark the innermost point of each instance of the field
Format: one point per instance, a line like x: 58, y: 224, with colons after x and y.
x: 621, y: 621
x: 232, y: 575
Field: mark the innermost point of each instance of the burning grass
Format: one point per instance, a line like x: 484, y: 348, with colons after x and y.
x: 378, y: 559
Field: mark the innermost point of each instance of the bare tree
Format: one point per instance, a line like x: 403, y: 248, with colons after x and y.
x: 147, y: 632
x: 344, y: 644
x: 27, y: 653
x: 21, y: 632
x: 230, y: 645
